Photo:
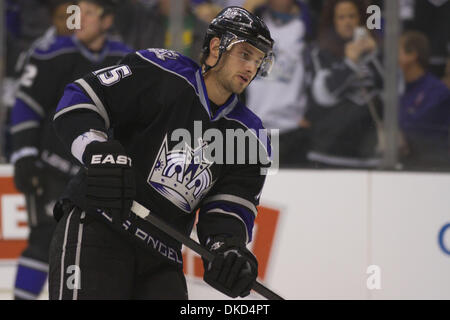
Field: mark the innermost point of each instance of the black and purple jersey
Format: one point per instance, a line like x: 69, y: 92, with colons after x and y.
x: 156, y: 104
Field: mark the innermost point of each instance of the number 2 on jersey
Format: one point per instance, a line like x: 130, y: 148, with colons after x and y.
x: 30, y: 72
x: 111, y: 75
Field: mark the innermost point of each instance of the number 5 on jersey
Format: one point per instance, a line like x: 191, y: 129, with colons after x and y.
x: 111, y: 75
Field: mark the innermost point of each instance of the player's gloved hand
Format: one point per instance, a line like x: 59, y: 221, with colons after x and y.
x: 110, y: 179
x: 28, y: 176
x: 234, y: 269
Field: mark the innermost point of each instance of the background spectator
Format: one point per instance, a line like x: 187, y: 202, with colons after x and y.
x: 147, y: 26
x: 280, y: 99
x: 344, y: 106
x: 206, y: 10
x: 424, y: 114
x: 432, y: 17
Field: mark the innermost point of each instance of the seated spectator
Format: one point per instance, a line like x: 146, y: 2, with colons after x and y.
x: 279, y: 100
x: 424, y: 112
x: 432, y: 17
x: 345, y: 92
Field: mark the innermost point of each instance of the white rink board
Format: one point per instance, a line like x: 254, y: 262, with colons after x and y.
x: 320, y: 250
x: 334, y: 224
x: 407, y: 217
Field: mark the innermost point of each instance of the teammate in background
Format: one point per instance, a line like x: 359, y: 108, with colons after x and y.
x: 147, y: 100
x: 58, y: 16
x: 42, y: 167
x: 17, y: 60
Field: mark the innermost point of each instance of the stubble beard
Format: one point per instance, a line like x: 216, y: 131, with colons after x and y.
x: 225, y: 78
x: 226, y: 81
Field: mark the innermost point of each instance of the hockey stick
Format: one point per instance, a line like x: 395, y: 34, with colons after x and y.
x: 144, y: 213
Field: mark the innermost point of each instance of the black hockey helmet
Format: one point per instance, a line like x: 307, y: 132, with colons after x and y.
x: 235, y: 24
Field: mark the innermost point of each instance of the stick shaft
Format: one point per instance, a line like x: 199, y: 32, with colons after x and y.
x: 143, y: 212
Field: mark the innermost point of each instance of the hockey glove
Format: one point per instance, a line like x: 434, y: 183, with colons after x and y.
x: 234, y: 268
x: 28, y: 176
x: 110, y: 180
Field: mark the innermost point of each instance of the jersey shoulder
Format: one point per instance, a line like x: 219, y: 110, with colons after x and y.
x: 174, y: 63
x: 246, y: 117
x: 250, y: 121
x: 53, y: 47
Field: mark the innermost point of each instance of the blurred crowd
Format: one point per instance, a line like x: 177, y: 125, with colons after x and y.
x: 325, y: 92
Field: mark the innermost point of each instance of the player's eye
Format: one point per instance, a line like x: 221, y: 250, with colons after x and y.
x: 244, y: 55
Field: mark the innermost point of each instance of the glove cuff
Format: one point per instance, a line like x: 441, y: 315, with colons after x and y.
x: 82, y: 141
x: 108, y: 154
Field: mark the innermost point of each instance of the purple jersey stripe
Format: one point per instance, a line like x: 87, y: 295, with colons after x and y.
x: 22, y: 113
x: 73, y: 95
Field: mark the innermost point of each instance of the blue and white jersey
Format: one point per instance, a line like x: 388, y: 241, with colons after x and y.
x: 183, y: 147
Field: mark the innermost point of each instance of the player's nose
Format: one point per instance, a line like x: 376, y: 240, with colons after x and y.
x: 250, y: 67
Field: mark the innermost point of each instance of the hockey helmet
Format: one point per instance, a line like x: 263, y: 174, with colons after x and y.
x: 235, y: 24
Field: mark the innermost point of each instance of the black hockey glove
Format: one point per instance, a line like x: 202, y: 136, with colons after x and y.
x: 234, y: 268
x: 28, y: 176
x: 110, y: 179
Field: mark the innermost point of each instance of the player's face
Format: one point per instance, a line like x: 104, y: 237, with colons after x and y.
x: 239, y: 66
x: 59, y: 19
x: 405, y: 59
x: 93, y: 24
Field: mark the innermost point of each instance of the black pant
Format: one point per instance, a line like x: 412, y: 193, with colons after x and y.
x: 89, y: 260
x: 32, y: 264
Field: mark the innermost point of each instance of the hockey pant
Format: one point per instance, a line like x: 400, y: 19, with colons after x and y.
x: 32, y: 268
x: 89, y: 260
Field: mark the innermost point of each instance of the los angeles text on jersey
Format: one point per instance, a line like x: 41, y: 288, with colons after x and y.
x: 227, y: 309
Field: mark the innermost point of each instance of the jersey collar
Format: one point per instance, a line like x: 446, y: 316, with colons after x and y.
x: 224, y: 109
x: 91, y: 56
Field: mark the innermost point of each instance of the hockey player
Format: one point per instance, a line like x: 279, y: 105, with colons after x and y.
x: 148, y: 100
x: 42, y: 167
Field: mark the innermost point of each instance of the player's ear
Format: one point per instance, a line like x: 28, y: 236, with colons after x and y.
x: 107, y: 21
x: 214, y: 48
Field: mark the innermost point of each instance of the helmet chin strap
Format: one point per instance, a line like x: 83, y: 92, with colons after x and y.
x: 208, y: 67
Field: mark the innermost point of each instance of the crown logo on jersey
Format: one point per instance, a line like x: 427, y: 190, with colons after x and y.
x: 183, y: 175
x: 164, y: 53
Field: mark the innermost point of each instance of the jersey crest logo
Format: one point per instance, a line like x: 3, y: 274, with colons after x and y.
x: 183, y: 176
x: 164, y: 53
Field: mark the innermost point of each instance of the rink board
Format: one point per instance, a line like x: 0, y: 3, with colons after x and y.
x: 318, y: 235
